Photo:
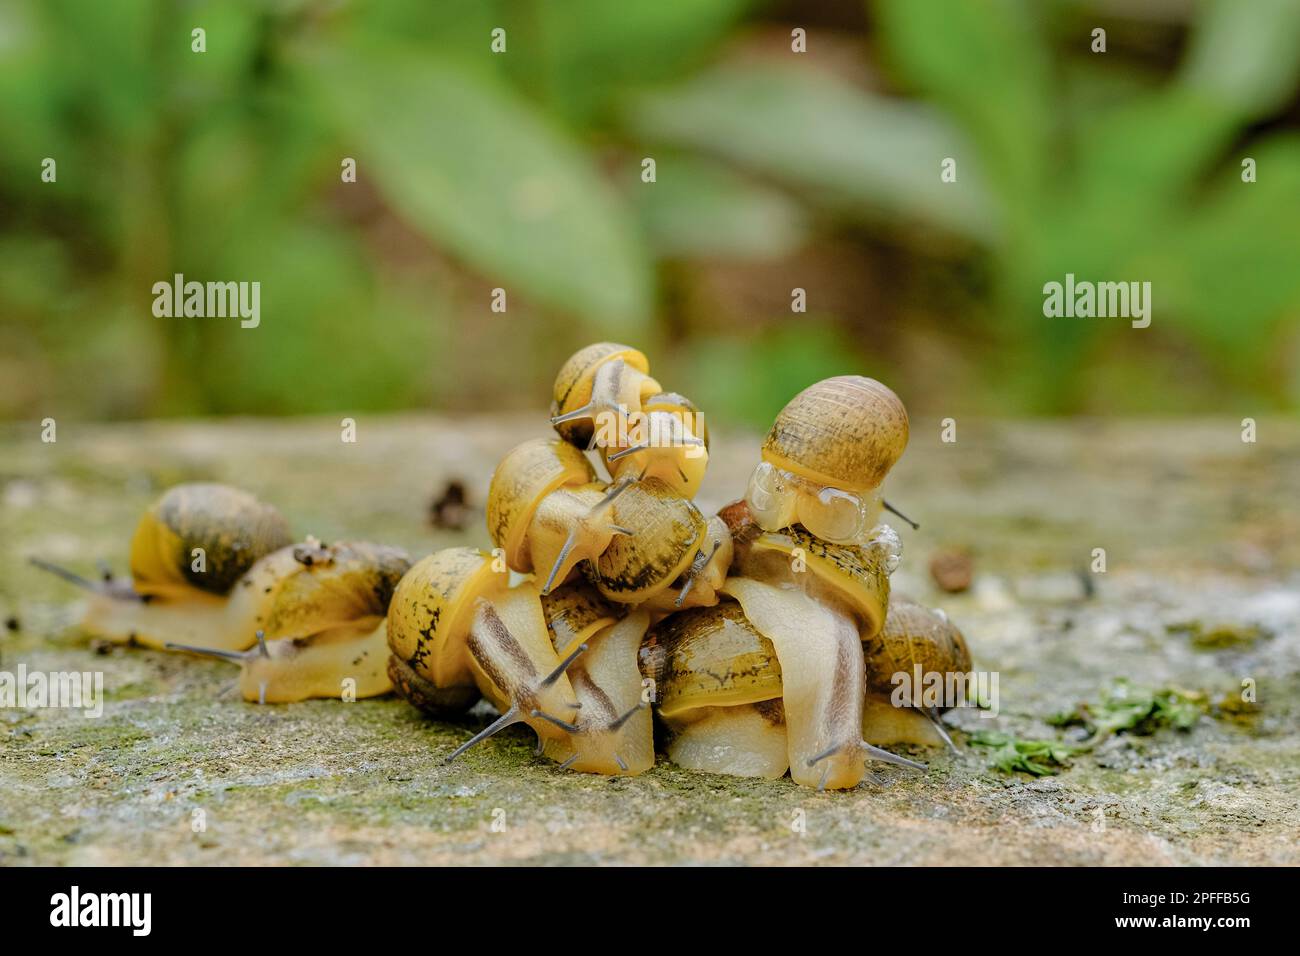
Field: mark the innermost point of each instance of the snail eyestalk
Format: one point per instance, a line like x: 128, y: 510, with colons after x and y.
x: 872, y: 751
x: 511, y: 716
x: 894, y: 511
x: 933, y: 714
x: 107, y: 586
x: 237, y: 656
x: 698, y: 565
x: 552, y: 719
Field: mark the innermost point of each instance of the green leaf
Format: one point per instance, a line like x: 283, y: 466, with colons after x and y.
x: 699, y: 208
x: 1039, y: 758
x: 625, y: 44
x: 985, y: 63
x: 852, y: 150
x: 1245, y: 55
x: 1227, y: 268
x: 467, y: 162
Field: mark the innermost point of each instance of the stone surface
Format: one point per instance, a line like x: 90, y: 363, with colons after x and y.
x: 1202, y: 544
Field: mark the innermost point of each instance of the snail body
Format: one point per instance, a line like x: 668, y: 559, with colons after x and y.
x: 212, y: 573
x: 815, y: 601
x: 721, y: 690
x: 455, y: 624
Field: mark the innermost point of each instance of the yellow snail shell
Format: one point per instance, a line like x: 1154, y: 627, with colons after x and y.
x: 667, y: 531
x: 576, y: 388
x: 232, y: 527
x: 526, y: 475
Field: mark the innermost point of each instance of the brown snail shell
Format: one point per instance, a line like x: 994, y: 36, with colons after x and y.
x: 574, y: 612
x: 913, y: 635
x: 845, y: 432
x: 709, y: 657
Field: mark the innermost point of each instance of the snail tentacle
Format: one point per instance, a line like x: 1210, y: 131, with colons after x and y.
x: 511, y: 716
x: 698, y: 564
x: 933, y: 714
x: 560, y: 561
x: 623, y: 718
x: 237, y: 656
x: 108, y: 587
x: 894, y: 511
x: 552, y: 719
x: 564, y: 665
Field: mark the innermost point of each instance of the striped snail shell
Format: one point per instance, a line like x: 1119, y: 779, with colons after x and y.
x: 846, y: 432
x: 527, y: 474
x: 598, y: 378
x: 665, y: 533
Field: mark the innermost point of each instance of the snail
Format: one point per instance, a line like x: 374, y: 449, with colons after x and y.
x: 605, y: 379
x: 718, y: 691
x: 456, y: 626
x: 546, y: 510
x: 668, y: 441
x: 604, y: 398
x: 213, y: 572
x: 547, y: 513
x: 720, y: 686
x: 669, y: 553
x: 915, y: 644
x: 825, y: 457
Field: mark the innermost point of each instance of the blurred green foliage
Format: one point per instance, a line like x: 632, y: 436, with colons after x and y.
x: 522, y: 170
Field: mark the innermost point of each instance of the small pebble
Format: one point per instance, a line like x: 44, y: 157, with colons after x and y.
x: 952, y: 569
x: 449, y: 510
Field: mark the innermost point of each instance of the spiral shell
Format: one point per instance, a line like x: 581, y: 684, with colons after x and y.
x: 527, y: 474
x: 709, y: 657
x: 311, y: 588
x: 845, y: 432
x: 573, y: 385
x: 232, y: 527
x: 432, y: 610
x: 574, y: 613
x: 667, y: 531
x: 913, y: 635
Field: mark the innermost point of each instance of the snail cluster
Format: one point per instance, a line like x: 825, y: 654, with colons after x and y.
x: 758, y: 641
x: 215, y: 571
